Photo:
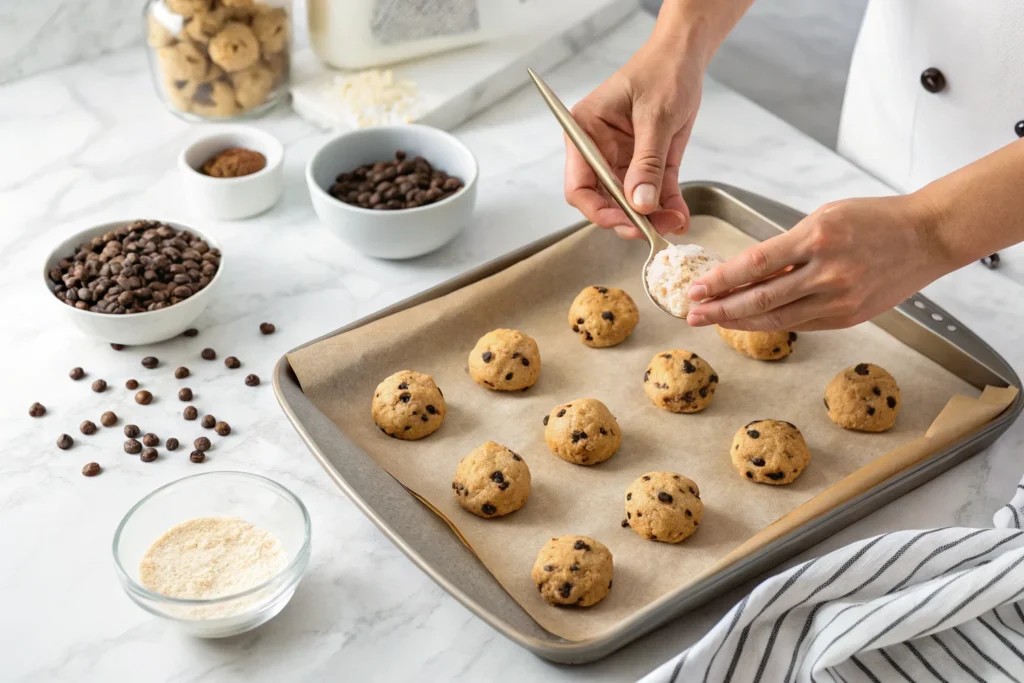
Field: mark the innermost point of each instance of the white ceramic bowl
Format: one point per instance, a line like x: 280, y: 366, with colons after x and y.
x: 249, y: 497
x: 403, y: 233
x: 232, y: 198
x: 133, y: 329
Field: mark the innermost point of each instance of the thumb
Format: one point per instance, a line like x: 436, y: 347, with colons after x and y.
x: 652, y: 136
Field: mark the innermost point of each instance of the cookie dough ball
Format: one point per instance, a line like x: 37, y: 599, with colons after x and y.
x: 205, y: 24
x: 769, y: 452
x: 215, y: 99
x: 492, y: 481
x: 235, y: 47
x: 583, y: 432
x: 408, y: 405
x: 663, y: 506
x: 759, y: 345
x: 187, y: 8
x: 573, y: 570
x: 505, y: 360
x: 252, y: 85
x: 603, y: 316
x: 673, y: 270
x: 680, y: 381
x: 864, y: 397
x: 182, y: 61
x: 271, y: 28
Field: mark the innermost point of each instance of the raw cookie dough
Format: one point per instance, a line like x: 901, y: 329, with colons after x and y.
x: 271, y: 28
x: 864, y: 397
x: 573, y: 570
x: 215, y: 99
x: 183, y: 61
x: 759, y: 345
x: 505, y: 360
x: 769, y: 452
x: 408, y: 405
x: 672, y: 272
x: 603, y: 316
x: 583, y: 432
x: 252, y: 85
x: 663, y: 506
x: 491, y: 481
x: 235, y: 47
x: 205, y: 24
x: 680, y: 381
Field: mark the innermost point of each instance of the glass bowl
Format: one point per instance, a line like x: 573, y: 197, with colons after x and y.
x: 250, y: 497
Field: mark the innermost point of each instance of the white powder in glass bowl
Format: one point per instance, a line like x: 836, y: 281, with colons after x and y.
x: 672, y: 272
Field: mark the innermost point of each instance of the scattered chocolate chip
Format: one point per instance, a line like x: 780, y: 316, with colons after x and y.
x: 688, y: 367
x: 222, y: 428
x: 497, y: 477
x: 184, y: 394
x: 750, y: 475
x: 876, y: 391
x: 757, y: 462
x: 861, y: 369
x: 565, y: 589
x: 432, y: 410
x: 208, y: 421
x: 526, y: 362
x: 560, y: 413
x: 871, y: 410
x: 92, y: 469
x: 76, y: 374
x: 664, y: 497
x: 890, y: 401
x: 603, y: 431
x: 190, y: 413
x: 37, y: 410
x: 693, y: 491
x: 403, y: 385
x: 208, y: 354
x: 589, y: 337
x: 148, y: 455
x: 150, y: 440
x: 404, y: 397
x: 232, y: 363
x: 171, y: 444
x: 191, y: 332
x: 252, y: 380
x: 602, y: 290
x: 488, y: 509
x: 515, y: 355
x: 202, y: 444
x: 625, y: 523
x: 647, y: 375
x: 753, y: 434
x: 87, y: 427
x: 639, y: 514
x: 688, y: 513
x: 776, y: 349
x: 131, y: 385
x: 99, y: 386
x: 703, y: 391
x: 775, y: 476
x: 150, y: 362
x: 424, y: 418
x: 64, y: 442
x: 575, y: 328
x: 132, y: 447
x: 117, y: 347
x: 197, y: 456
x: 645, y: 478
x: 487, y: 356
x: 144, y: 398
x: 267, y: 328
x: 580, y: 545
x: 609, y: 316
x: 629, y: 496
x: 516, y: 457
x: 578, y: 435
x: 508, y: 376
x: 713, y: 379
x: 108, y: 419
x: 181, y: 373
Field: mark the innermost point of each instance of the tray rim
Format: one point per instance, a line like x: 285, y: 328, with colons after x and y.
x: 651, y: 615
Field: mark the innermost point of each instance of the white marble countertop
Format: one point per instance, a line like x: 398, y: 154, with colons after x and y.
x: 90, y: 143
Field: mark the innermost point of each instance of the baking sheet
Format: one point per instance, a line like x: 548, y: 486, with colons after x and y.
x: 339, y: 374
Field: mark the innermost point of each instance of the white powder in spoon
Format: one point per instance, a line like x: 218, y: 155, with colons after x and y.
x: 672, y: 272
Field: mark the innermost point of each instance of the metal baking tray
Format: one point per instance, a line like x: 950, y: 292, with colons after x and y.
x: 428, y: 541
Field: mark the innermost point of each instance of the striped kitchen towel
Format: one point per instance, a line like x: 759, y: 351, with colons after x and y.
x: 917, y: 606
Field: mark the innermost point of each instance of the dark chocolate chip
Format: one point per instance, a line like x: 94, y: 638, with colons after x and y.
x: 688, y: 367
x: 603, y: 431
x: 826, y: 404
x: 753, y: 434
x: 750, y: 475
x: 432, y: 410
x: 560, y: 413
x: 108, y: 419
x: 267, y: 328
x: 757, y: 462
x: 565, y: 589
x: 646, y: 478
x: 171, y: 444
x: 99, y: 386
x: 232, y: 363
x: 181, y: 372
x: 516, y: 457
x: 639, y: 514
x: 150, y: 362
x: 775, y: 476
x: 526, y: 362
x: 609, y: 316
x: 144, y: 398
x: 871, y: 410
x: 580, y: 545
x: 703, y: 391
x: 776, y: 349
x: 876, y: 391
x: 131, y: 385
x: 549, y: 568
x: 713, y: 378
x: 131, y: 431
x: 792, y: 337
x: 488, y: 509
x: 424, y: 418
x: 202, y: 444
x: 487, y: 356
x: 197, y: 456
x: 575, y: 328
x: 625, y: 523
x: 579, y: 321
x: 208, y: 422
x: 37, y: 409
x: 403, y: 386
x: 693, y: 491
x: 132, y: 447
x: 190, y: 413
x: 629, y: 496
x: 574, y: 567
x: 88, y: 427
x: 498, y: 477
x: 208, y: 354
x: 589, y: 337
x: 890, y: 401
x: 76, y: 374
x: 117, y: 347
x: 252, y: 380
x: 508, y: 376
x: 222, y: 428
x: 602, y: 290
x: 503, y: 485
x: 91, y: 469
x: 664, y: 497
x: 148, y: 455
x: 861, y: 369
x: 546, y: 418
x: 404, y: 397
x: 64, y: 442
x: 184, y: 394
x: 578, y: 435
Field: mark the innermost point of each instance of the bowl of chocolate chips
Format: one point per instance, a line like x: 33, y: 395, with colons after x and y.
x: 133, y: 282
x: 393, y: 192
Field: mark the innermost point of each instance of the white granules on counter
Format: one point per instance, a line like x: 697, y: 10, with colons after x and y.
x: 211, y: 557
x: 374, y: 97
x: 672, y: 272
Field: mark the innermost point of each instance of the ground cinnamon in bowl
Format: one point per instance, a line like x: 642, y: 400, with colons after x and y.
x: 233, y: 162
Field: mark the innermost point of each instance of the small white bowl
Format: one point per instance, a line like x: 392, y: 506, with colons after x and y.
x: 232, y: 198
x: 133, y: 329
x: 403, y: 233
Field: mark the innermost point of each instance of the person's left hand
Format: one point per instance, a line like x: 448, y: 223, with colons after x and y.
x: 845, y: 263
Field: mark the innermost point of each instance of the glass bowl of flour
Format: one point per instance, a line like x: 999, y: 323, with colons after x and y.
x: 216, y: 554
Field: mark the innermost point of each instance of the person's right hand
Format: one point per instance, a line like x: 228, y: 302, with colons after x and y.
x: 640, y: 119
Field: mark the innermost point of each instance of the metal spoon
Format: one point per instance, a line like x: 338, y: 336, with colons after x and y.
x: 604, y: 173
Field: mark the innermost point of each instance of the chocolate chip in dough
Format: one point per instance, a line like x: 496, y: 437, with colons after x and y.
x: 488, y: 509
x: 664, y: 497
x: 64, y: 442
x: 757, y: 462
x: 753, y: 434
x: 609, y: 316
x: 487, y: 356
x: 890, y: 401
x: 688, y: 367
x: 775, y: 476
x: 546, y: 419
x: 580, y: 545
x: 861, y: 369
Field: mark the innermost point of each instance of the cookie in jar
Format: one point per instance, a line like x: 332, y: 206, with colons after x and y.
x: 219, y: 59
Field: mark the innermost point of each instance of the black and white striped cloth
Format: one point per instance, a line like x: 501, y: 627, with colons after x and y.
x: 918, y: 606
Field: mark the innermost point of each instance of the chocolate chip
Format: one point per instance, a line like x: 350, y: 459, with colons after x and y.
x: 693, y: 491
x: 753, y: 434
x: 653, y: 537
x: 667, y: 355
x: 404, y: 398
x: 431, y: 409
x: 232, y: 363
x: 580, y: 545
x: 639, y: 514
x: 575, y: 328
x: 497, y: 477
x: 181, y: 373
x: 574, y: 567
x: 190, y: 413
x: 713, y: 379
x: 546, y: 418
x: 267, y: 328
x: 647, y: 375
x: 99, y: 386
x: 487, y: 356
x: 876, y: 391
x: 625, y: 523
x: 131, y: 431
x: 589, y: 337
x: 87, y: 427
x: 664, y: 497
x: 171, y: 444
x: 516, y: 457
x: 208, y: 421
x: 37, y: 409
x: 565, y: 589
x: 871, y: 410
x: 578, y: 435
x: 776, y: 349
x: 508, y: 376
x: 603, y: 431
x: 150, y: 362
x: 687, y: 397
x: 688, y: 513
x: 403, y: 385
x: 197, y: 456
x: 92, y: 469
x: 757, y: 462
x: 645, y: 478
x: 76, y: 374
x: 424, y: 418
x: 222, y: 428
x: 64, y: 442
x: 150, y: 440
x: 750, y: 475
x: 861, y: 369
x: 688, y: 367
x: 609, y: 316
x: 560, y: 413
x: 191, y: 332
x: 526, y: 362
x: 890, y: 401
x: 775, y: 476
x: 602, y: 290
x: 208, y: 354
x: 252, y: 380
x: 826, y: 404
x: 143, y: 398
x: 629, y: 496
x: 132, y: 447
x: 108, y: 419
x: 131, y: 385
x: 703, y: 391
x: 184, y: 394
x: 488, y: 509
x: 117, y: 347
x: 549, y: 568
x: 148, y: 455
x: 202, y: 444
x: 792, y: 337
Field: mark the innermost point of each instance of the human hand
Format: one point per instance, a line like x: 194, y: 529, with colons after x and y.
x: 845, y: 263
x: 640, y: 119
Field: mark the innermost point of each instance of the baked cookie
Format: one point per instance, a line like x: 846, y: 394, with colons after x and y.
x: 252, y: 85
x: 235, y: 47
x: 408, y: 405
x: 663, y: 506
x: 187, y: 8
x: 505, y: 360
x: 271, y: 28
x: 491, y: 481
x: 182, y: 61
x: 759, y: 345
x: 573, y: 570
x: 205, y: 24
x: 864, y: 397
x: 157, y: 35
x: 769, y: 452
x: 680, y: 381
x: 603, y: 316
x: 215, y: 99
x: 583, y: 432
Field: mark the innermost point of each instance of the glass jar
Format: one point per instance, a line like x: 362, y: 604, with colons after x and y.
x: 219, y: 59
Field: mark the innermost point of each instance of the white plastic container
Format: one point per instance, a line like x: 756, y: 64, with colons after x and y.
x: 358, y: 34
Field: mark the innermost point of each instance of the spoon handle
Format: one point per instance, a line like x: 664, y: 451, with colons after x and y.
x: 593, y: 156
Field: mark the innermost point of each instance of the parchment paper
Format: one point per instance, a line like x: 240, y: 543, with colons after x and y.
x: 339, y: 375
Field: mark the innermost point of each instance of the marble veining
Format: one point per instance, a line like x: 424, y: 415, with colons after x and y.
x: 90, y: 143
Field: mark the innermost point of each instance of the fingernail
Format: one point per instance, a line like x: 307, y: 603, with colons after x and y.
x: 695, y: 320
x: 645, y: 196
x: 697, y: 292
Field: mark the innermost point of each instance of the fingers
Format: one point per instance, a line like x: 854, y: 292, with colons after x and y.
x: 749, y: 302
x: 653, y: 134
x: 809, y: 313
x: 753, y: 265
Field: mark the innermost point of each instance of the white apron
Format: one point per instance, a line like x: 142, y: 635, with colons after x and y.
x: 933, y: 86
